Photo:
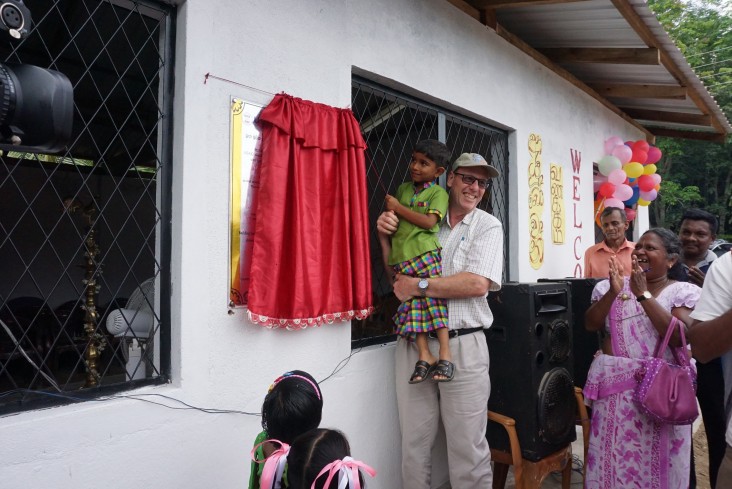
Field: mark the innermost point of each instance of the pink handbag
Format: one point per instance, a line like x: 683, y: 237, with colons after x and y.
x: 666, y: 392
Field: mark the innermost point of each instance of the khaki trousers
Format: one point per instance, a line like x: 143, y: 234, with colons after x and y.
x: 724, y: 478
x: 462, y: 404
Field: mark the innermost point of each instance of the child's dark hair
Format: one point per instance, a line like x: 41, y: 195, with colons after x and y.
x: 293, y: 405
x: 312, y: 451
x: 434, y: 150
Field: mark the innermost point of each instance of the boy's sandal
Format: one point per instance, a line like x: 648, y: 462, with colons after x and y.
x: 443, y: 368
x: 422, y: 370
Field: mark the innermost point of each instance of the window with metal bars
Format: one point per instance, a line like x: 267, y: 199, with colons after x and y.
x: 84, y: 234
x: 392, y: 123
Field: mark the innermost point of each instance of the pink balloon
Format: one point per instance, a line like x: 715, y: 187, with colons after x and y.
x: 630, y: 213
x: 623, y: 192
x: 656, y: 178
x: 654, y: 154
x: 611, y: 202
x: 598, y: 180
x: 650, y: 196
x: 617, y: 176
x: 623, y: 153
x: 610, y: 143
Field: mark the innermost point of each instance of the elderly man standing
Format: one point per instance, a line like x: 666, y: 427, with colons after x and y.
x: 697, y: 231
x: 472, y: 265
x: 597, y: 257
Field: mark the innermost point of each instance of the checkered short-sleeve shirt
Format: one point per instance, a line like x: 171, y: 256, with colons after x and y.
x: 474, y: 245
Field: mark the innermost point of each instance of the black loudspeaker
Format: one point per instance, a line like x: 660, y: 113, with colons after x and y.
x: 584, y: 343
x: 530, y: 345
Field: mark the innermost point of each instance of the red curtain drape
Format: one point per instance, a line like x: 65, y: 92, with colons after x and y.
x: 310, y: 260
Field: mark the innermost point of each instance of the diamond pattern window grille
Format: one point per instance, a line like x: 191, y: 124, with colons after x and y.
x: 392, y: 123
x: 83, y: 233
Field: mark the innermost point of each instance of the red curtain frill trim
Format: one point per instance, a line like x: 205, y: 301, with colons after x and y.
x: 310, y: 252
x: 295, y: 324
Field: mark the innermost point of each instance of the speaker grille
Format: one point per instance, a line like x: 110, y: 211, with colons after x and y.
x: 559, y: 344
x: 556, y: 405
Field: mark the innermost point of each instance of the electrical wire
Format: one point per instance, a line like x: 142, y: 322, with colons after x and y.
x: 136, y: 397
x: 145, y: 397
x: 708, y: 52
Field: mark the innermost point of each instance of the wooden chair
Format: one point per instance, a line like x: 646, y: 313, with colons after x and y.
x: 529, y: 474
x: 584, y: 421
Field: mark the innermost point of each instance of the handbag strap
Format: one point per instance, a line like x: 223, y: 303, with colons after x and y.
x: 661, y: 346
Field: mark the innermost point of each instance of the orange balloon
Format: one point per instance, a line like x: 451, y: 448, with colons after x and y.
x: 599, y: 207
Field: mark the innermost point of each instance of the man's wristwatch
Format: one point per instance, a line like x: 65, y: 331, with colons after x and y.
x: 422, y: 286
x: 645, y: 295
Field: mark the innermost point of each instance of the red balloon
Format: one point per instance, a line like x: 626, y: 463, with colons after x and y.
x: 645, y: 183
x: 639, y: 156
x: 640, y: 145
x: 629, y: 213
x: 606, y: 190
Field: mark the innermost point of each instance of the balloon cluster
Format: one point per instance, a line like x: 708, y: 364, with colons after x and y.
x: 627, y: 176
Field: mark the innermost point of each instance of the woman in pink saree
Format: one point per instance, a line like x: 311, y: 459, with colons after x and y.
x: 634, y: 307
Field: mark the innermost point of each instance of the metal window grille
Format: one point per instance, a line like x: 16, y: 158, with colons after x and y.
x: 392, y: 123
x: 84, y: 233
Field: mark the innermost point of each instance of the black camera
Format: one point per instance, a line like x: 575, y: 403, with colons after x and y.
x: 36, y: 104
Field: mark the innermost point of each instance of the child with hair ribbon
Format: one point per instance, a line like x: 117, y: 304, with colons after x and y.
x: 293, y: 405
x: 321, y: 459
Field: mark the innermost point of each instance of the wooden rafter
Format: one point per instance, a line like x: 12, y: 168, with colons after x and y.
x: 712, y: 137
x: 639, y: 91
x: 467, y: 8
x: 640, y: 27
x: 601, y: 91
x: 526, y: 48
x: 675, y: 117
x: 494, y: 4
x: 626, y: 56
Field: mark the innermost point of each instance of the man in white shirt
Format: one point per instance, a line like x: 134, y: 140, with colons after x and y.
x: 472, y: 265
x: 697, y: 232
x: 711, y: 336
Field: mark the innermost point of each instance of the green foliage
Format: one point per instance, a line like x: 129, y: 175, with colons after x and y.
x: 675, y: 199
x: 703, y: 32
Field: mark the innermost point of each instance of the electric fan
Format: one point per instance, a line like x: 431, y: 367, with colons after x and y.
x: 135, y: 323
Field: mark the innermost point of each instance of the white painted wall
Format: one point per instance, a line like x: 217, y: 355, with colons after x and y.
x: 307, y: 49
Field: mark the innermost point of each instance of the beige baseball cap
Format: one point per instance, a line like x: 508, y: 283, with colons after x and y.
x: 474, y: 160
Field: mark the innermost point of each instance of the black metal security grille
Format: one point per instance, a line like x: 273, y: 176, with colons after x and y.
x: 392, y: 123
x: 83, y: 233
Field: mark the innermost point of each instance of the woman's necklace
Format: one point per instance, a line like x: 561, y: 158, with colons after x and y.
x: 625, y: 296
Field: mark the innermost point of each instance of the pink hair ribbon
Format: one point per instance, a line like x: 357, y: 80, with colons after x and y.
x: 274, y: 465
x: 295, y: 376
x: 347, y: 470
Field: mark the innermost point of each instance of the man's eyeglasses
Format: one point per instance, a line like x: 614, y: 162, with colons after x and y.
x: 469, y: 180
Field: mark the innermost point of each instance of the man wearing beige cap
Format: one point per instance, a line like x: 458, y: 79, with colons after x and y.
x: 472, y: 265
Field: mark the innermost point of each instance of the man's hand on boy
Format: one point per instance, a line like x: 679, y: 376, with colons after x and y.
x: 387, y: 223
